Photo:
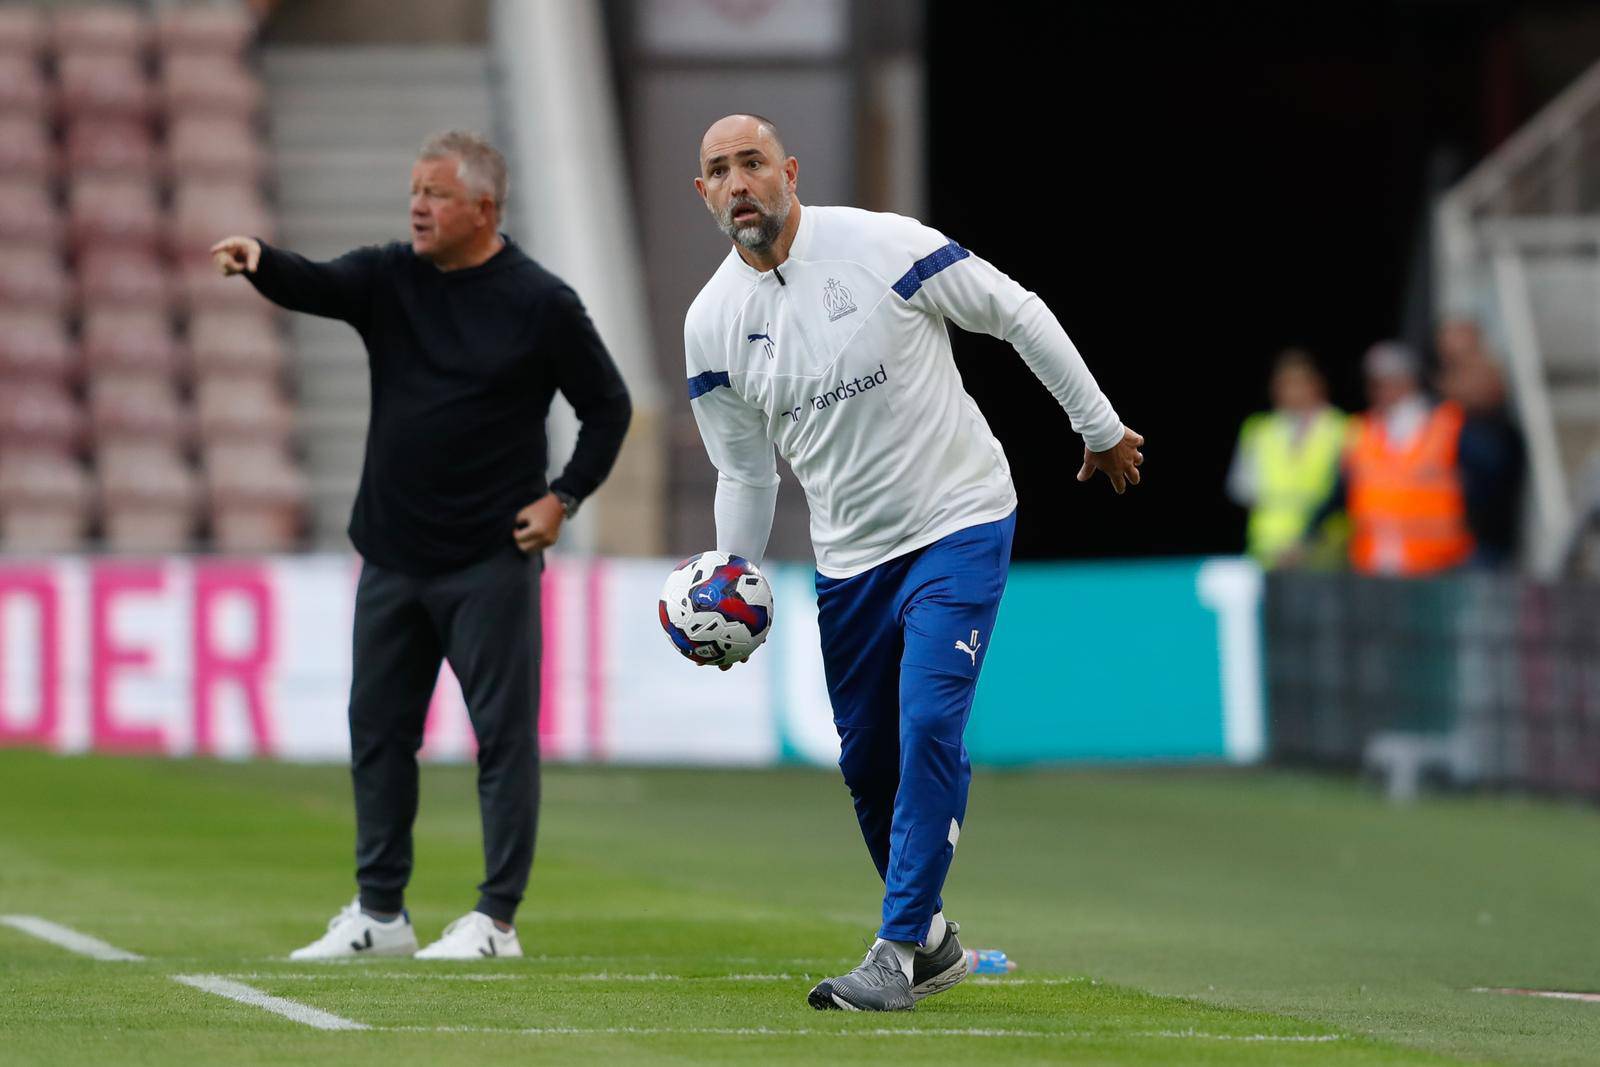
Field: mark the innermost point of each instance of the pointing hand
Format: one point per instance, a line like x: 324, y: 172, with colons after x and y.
x: 236, y: 255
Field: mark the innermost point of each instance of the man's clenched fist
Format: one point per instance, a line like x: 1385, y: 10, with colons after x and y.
x: 236, y: 255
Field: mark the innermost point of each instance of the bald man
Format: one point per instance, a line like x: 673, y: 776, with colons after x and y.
x: 823, y: 333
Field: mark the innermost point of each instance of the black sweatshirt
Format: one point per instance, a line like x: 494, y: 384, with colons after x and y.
x: 463, y: 365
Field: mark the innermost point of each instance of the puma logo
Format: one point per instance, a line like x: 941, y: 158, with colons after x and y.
x: 972, y: 649
x: 366, y: 941
x: 767, y: 338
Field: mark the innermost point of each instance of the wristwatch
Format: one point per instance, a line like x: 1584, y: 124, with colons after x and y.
x: 569, y: 503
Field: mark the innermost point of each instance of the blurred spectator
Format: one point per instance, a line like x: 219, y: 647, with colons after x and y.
x: 1492, y: 457
x: 1287, y: 462
x: 1401, y: 480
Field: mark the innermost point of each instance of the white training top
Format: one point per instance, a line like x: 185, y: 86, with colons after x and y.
x: 842, y: 359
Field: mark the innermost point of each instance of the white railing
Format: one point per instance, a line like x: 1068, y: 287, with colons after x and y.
x: 1526, y: 200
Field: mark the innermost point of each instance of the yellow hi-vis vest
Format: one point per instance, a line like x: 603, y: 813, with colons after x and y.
x: 1292, y: 478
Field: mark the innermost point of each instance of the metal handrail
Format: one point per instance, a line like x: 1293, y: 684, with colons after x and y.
x: 1531, y: 395
x: 1555, y: 122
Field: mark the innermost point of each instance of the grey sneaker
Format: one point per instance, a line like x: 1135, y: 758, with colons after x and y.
x: 936, y: 969
x: 878, y: 984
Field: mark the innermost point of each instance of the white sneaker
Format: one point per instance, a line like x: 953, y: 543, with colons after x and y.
x: 473, y: 936
x: 352, y: 932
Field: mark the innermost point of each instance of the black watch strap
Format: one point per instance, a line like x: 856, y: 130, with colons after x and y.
x: 569, y: 503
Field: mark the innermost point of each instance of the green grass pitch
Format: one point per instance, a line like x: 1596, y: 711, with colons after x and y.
x: 1159, y: 917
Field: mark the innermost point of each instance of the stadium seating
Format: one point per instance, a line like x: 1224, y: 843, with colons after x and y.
x: 113, y: 210
x: 96, y: 145
x: 39, y: 416
x: 33, y: 277
x: 206, y: 84
x: 111, y: 30
x: 22, y: 85
x: 130, y: 340
x: 215, y: 147
x: 149, y: 496
x: 28, y: 214
x: 22, y: 30
x: 234, y: 344
x: 44, y: 501
x: 142, y: 403
x: 209, y: 29
x: 254, y: 496
x: 35, y: 346
x: 100, y: 83
x: 123, y: 277
x: 25, y: 147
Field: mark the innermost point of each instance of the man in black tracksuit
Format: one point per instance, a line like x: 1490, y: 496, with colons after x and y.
x: 467, y: 340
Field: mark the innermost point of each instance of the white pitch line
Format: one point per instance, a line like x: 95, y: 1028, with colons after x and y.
x: 767, y: 1031
x: 1550, y: 994
x: 67, y: 938
x: 344, y: 975
x: 289, y: 1009
x: 1308, y: 1038
x: 997, y: 980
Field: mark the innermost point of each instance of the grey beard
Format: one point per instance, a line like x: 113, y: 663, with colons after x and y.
x: 759, y: 236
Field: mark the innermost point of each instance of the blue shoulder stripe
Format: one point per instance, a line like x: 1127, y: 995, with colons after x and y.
x: 706, y: 381
x: 927, y: 267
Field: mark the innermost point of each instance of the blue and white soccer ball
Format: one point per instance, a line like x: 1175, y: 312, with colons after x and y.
x: 716, y: 608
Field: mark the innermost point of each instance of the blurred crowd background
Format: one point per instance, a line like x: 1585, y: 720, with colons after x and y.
x: 1339, y: 263
x: 1197, y: 193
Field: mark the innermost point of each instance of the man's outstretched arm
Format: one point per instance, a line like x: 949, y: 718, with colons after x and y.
x: 338, y: 289
x: 973, y: 294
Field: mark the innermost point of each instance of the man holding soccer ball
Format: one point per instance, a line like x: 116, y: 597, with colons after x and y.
x: 823, y: 333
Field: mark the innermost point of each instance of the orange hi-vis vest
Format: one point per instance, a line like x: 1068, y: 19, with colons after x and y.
x: 1406, y: 506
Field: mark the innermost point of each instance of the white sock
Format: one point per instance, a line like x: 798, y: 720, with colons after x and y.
x: 904, y: 951
x: 935, y: 933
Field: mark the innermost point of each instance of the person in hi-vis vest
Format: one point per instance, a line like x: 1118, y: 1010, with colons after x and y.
x: 1401, y: 480
x: 1286, y: 464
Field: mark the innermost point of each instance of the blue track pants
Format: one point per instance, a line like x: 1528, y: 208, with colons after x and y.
x: 902, y: 645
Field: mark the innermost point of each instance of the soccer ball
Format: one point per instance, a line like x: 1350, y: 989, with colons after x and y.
x: 716, y: 608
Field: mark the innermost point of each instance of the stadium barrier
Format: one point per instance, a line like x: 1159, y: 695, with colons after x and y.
x: 1477, y: 679
x: 250, y: 658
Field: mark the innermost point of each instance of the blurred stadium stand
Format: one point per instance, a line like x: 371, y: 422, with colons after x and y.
x: 133, y: 134
x: 144, y: 407
x: 1481, y: 678
x: 1518, y: 245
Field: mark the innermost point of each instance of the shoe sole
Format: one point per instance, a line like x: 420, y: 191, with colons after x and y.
x: 948, y: 978
x: 823, y: 998
x: 399, y: 951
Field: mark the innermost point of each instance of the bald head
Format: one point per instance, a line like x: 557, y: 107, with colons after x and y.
x: 748, y: 183
x: 742, y: 130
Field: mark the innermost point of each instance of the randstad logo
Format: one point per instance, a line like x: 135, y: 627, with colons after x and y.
x: 845, y: 390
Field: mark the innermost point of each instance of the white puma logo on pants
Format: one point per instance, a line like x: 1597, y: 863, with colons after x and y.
x: 972, y: 649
